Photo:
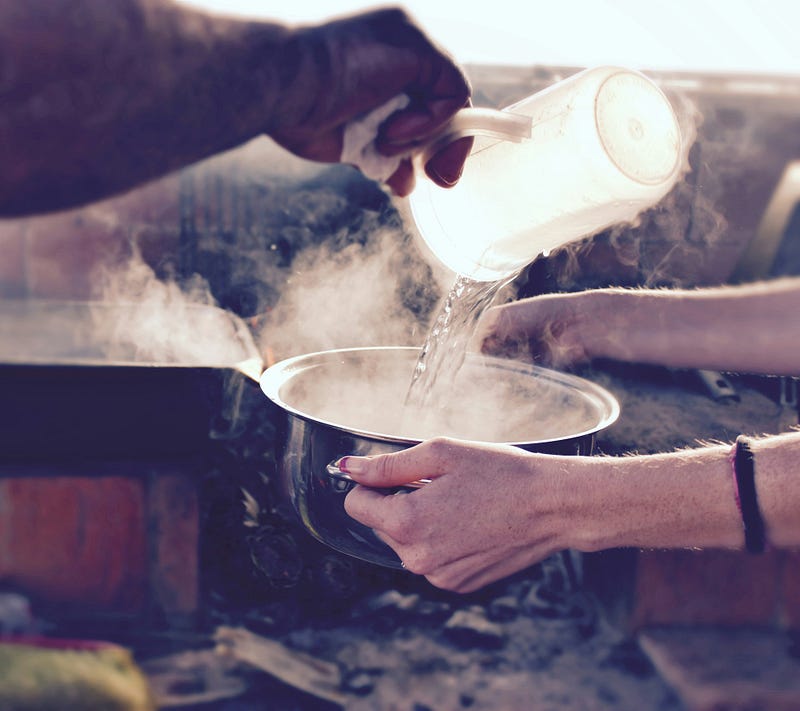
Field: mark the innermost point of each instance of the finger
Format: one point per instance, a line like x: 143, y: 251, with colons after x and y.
x: 431, y: 107
x: 497, y: 336
x: 513, y: 348
x: 370, y: 507
x: 446, y: 166
x: 444, y: 169
x: 536, y: 322
x: 426, y: 460
x: 410, y: 129
x: 403, y: 179
x: 499, y: 331
x: 529, y: 328
x: 441, y: 92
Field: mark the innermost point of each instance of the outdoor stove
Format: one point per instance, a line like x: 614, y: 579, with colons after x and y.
x: 138, y: 496
x: 104, y: 446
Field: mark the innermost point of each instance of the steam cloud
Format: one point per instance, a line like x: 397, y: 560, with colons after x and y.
x: 349, y: 297
x: 142, y: 318
x: 309, y: 259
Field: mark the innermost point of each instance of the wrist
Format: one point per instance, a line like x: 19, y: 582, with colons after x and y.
x: 566, y: 499
x: 584, y: 499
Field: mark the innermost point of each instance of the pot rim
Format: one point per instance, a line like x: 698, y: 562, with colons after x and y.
x: 274, y: 377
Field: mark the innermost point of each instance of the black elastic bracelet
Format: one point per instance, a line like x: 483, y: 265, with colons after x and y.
x: 745, y: 472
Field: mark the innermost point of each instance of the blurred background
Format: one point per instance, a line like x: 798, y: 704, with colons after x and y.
x: 708, y: 35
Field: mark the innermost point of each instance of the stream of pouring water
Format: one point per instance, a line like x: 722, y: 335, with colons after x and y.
x: 445, y: 347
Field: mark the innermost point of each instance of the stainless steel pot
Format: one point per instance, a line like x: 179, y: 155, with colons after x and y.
x: 350, y: 402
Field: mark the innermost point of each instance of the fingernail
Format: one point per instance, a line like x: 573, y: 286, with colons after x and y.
x: 438, y: 176
x: 352, y: 465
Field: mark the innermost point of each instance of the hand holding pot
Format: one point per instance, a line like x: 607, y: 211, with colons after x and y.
x: 489, y: 511
x: 492, y: 510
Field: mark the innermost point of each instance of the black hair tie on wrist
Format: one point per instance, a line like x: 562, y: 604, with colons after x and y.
x: 744, y: 473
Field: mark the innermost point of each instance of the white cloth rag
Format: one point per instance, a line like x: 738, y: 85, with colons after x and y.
x: 358, y: 145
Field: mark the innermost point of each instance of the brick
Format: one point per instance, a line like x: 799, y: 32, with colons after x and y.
x: 736, y: 669
x: 75, y: 541
x: 706, y: 587
x: 115, y: 538
x: 12, y: 265
x: 173, y: 531
x: 639, y: 589
x: 790, y: 590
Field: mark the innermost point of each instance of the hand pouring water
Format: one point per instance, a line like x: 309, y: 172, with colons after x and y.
x: 587, y: 153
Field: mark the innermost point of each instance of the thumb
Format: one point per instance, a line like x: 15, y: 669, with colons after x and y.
x: 379, y: 470
x: 423, y: 461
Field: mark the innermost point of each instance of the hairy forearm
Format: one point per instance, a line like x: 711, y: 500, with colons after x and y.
x: 752, y: 328
x: 100, y: 95
x: 682, y: 499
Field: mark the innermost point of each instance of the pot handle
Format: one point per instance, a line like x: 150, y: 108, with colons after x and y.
x: 336, y: 473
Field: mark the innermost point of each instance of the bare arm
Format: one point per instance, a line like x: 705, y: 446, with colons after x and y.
x: 752, y: 328
x: 101, y: 95
x: 463, y: 532
x: 687, y: 499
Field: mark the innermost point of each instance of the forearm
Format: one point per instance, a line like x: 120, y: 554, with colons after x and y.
x: 104, y: 94
x: 682, y: 499
x: 752, y: 328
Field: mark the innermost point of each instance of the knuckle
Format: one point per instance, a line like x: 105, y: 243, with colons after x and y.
x: 385, y: 466
x: 351, y: 503
x: 424, y: 556
x: 443, y: 582
x: 394, y: 13
x: 426, y: 562
x: 410, y: 563
x: 440, y: 445
x: 442, y: 451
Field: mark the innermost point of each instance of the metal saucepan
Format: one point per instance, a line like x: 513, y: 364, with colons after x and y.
x: 350, y: 401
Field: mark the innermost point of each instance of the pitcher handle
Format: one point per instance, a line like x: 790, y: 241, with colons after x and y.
x: 491, y: 123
